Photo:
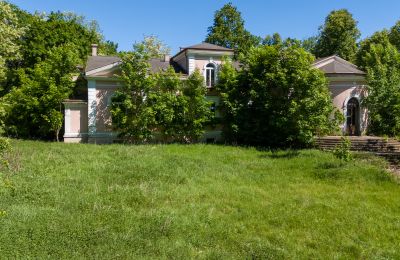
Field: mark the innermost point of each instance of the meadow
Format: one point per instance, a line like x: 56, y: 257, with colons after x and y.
x: 195, y: 201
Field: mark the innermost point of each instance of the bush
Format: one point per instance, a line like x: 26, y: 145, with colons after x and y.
x: 5, y: 147
x: 277, y: 99
x: 342, y: 151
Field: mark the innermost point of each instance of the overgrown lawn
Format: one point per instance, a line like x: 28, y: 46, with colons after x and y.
x: 195, y: 201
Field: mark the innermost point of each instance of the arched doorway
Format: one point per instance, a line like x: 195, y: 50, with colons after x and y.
x: 353, y: 117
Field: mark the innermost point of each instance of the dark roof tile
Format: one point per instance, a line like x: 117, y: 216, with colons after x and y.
x: 207, y: 46
x: 95, y: 62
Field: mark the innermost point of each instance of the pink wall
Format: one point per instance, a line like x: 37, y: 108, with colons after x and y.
x: 103, y: 119
x: 342, y: 91
x: 79, y: 120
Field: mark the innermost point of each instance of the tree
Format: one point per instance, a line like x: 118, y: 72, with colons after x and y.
x: 228, y: 30
x: 275, y: 39
x: 108, y: 48
x: 197, y: 112
x: 132, y: 118
x: 381, y: 60
x: 227, y: 86
x: 380, y: 37
x: 394, y: 35
x: 277, y: 99
x: 154, y: 47
x: 40, y: 78
x: 309, y: 44
x: 56, y: 29
x: 338, y: 36
x: 158, y: 107
x: 11, y: 32
x: 33, y: 110
x: 169, y: 105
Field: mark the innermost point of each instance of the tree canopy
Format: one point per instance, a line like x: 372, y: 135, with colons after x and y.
x: 394, y: 35
x: 277, y: 99
x: 381, y: 60
x: 11, y: 31
x: 158, y: 107
x: 228, y: 30
x: 154, y: 47
x: 42, y: 53
x: 338, y: 36
x: 34, y: 109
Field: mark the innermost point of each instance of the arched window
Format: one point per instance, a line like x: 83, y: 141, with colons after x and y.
x: 353, y: 117
x: 210, y: 75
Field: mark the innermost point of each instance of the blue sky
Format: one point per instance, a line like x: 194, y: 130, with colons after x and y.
x: 181, y: 23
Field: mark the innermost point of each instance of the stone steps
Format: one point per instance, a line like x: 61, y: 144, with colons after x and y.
x: 387, y: 148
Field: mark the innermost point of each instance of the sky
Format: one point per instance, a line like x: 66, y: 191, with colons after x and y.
x: 183, y: 23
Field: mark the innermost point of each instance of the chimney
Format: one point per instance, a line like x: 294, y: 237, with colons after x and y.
x: 166, y: 58
x: 94, y: 49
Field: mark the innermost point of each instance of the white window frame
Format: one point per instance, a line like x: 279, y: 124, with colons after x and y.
x: 211, y: 80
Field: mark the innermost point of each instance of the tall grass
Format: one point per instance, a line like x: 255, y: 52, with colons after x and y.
x: 195, y: 201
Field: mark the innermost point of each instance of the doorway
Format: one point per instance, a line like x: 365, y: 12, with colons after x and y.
x: 353, y: 117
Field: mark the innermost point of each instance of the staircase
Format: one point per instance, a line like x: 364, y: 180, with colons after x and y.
x: 387, y: 148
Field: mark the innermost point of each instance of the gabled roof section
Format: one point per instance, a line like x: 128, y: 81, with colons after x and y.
x: 96, y: 62
x: 206, y: 46
x: 336, y: 65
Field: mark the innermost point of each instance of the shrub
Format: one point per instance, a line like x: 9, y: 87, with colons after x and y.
x: 342, y: 151
x: 5, y: 147
x: 277, y: 99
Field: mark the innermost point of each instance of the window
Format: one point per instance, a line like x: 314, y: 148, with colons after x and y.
x: 210, y: 75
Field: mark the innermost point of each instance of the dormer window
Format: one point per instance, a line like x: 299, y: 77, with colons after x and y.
x: 210, y: 75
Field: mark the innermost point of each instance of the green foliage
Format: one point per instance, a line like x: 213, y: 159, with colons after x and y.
x: 168, y: 105
x: 153, y: 46
x: 150, y: 107
x: 195, y: 201
x: 309, y: 44
x: 57, y: 29
x: 5, y: 147
x: 277, y: 99
x: 394, y: 35
x: 107, y: 48
x: 34, y: 109
x: 342, y: 151
x: 338, y: 36
x: 197, y: 112
x: 381, y: 60
x: 275, y: 39
x: 228, y: 30
x: 228, y: 83
x: 11, y: 32
x: 40, y: 78
x: 132, y: 118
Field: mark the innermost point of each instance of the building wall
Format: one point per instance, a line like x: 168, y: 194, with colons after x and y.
x: 76, y: 122
x: 342, y: 91
x: 102, y: 131
x: 91, y: 121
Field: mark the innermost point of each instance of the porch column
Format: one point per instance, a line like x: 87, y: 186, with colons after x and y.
x: 92, y: 107
x: 191, y: 64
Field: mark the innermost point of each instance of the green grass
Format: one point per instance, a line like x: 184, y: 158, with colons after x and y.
x: 195, y: 201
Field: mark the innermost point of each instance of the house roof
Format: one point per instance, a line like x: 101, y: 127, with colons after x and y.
x: 206, y: 46
x: 203, y: 46
x: 96, y: 62
x: 336, y: 65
